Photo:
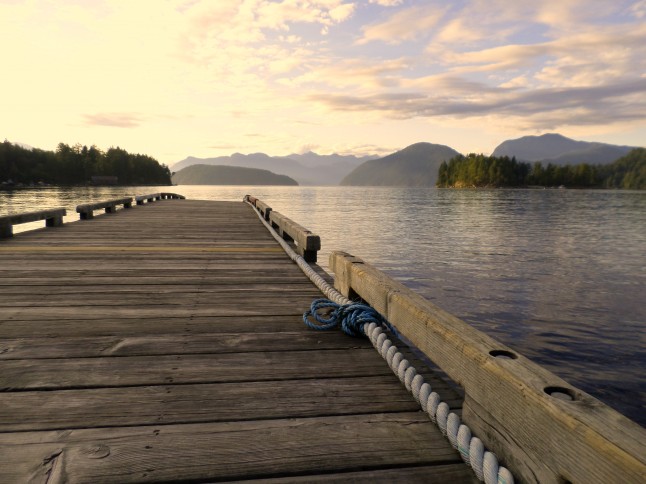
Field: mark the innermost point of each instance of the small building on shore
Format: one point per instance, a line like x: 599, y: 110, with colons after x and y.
x: 104, y: 180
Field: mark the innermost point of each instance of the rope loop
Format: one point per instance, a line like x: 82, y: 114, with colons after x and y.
x: 352, y: 317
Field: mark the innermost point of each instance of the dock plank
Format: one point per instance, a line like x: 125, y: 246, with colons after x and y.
x: 173, y: 404
x: 230, y: 450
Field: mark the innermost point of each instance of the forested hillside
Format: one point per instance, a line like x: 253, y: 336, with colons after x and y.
x: 76, y: 165
x: 475, y: 170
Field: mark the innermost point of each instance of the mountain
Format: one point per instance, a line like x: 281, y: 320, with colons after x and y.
x: 559, y: 150
x: 416, y: 165
x: 308, y: 168
x: 314, y: 160
x: 228, y: 175
x: 253, y: 160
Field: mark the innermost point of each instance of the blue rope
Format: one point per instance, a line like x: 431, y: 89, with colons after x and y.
x: 352, y: 317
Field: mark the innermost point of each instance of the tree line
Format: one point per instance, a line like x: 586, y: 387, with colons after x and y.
x: 477, y: 170
x: 76, y: 165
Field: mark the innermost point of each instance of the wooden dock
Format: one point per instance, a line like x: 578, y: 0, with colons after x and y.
x: 165, y: 343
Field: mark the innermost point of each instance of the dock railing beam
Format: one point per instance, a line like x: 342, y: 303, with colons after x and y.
x: 541, y: 427
x: 86, y: 211
x: 307, y: 243
x: 53, y: 217
x: 151, y: 197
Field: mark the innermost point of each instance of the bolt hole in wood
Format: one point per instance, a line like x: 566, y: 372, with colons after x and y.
x: 561, y: 393
x: 503, y: 354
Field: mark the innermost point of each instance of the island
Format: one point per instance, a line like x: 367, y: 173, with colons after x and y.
x: 229, y: 175
x: 478, y: 170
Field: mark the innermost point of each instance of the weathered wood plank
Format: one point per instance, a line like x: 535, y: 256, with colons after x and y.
x: 81, y: 324
x: 219, y: 451
x: 132, y: 278
x: 127, y: 289
x: 163, y: 344
x: 172, y: 404
x: 267, y: 298
x: 226, y: 308
x: 192, y: 368
x: 440, y: 474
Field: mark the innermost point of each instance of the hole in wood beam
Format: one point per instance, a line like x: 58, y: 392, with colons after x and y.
x: 561, y: 393
x: 504, y: 354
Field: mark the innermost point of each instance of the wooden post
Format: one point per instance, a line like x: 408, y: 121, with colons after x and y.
x: 6, y: 231
x: 55, y: 221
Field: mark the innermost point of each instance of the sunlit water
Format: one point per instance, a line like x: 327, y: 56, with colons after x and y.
x: 558, y: 275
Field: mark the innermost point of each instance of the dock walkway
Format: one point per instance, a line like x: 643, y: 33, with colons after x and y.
x: 165, y: 343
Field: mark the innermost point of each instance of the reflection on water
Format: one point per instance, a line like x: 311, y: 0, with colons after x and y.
x: 559, y: 275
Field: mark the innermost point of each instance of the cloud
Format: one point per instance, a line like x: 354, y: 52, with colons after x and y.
x: 387, y: 3
x: 613, y: 103
x: 404, y: 25
x: 638, y: 9
x: 117, y: 120
x: 356, y: 73
x: 581, y: 59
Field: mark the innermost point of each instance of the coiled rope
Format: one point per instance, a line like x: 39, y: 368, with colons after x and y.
x: 357, y: 319
x: 352, y: 317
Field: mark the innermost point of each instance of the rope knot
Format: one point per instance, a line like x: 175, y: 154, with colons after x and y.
x: 352, y: 317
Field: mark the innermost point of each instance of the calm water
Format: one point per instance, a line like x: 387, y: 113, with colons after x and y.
x: 558, y: 275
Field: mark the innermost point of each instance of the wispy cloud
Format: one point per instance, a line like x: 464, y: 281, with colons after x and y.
x: 614, y: 103
x: 404, y: 25
x: 117, y: 120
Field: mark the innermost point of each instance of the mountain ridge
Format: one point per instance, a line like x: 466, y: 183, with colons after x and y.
x: 307, y: 169
x: 559, y: 150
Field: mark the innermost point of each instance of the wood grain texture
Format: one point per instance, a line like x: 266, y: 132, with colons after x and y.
x: 187, y: 368
x: 166, y: 343
x: 162, y: 344
x: 224, y: 451
x: 172, y: 404
x: 441, y: 474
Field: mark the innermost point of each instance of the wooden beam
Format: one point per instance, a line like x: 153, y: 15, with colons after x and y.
x: 513, y: 405
x: 53, y: 218
x: 307, y: 243
x: 86, y: 211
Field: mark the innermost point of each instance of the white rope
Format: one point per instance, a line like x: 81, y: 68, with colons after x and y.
x: 484, y: 463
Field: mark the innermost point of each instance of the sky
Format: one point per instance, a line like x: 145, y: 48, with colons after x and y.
x: 178, y: 78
